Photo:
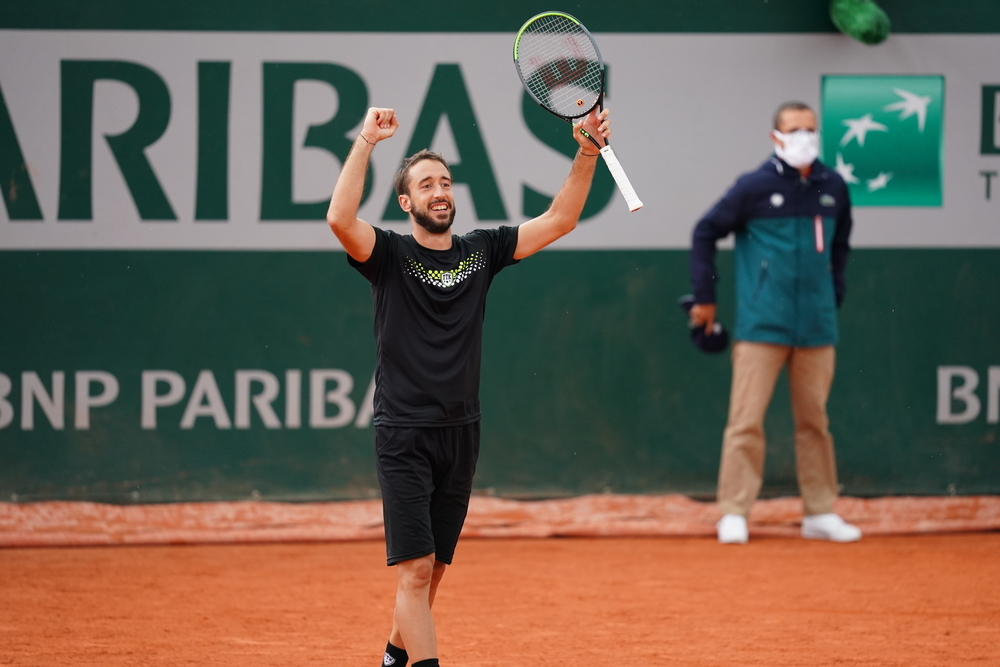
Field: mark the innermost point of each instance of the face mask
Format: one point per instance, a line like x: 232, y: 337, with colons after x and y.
x: 801, y: 148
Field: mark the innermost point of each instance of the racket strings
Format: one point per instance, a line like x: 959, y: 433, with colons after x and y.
x: 560, y: 66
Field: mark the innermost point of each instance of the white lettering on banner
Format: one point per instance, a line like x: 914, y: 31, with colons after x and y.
x: 949, y: 393
x: 32, y: 389
x: 151, y: 400
x: 957, y: 399
x: 993, y: 395
x: 964, y: 392
x: 206, y: 401
x: 164, y: 388
x: 6, y: 409
x: 319, y: 397
x: 261, y: 401
x: 293, y: 398
x: 85, y: 400
x: 165, y: 83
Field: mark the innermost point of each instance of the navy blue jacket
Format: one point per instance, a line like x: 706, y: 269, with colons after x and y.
x: 791, y: 251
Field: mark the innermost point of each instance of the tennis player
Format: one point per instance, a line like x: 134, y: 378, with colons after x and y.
x: 429, y: 290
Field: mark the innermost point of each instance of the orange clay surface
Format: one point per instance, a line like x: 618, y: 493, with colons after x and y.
x: 888, y: 600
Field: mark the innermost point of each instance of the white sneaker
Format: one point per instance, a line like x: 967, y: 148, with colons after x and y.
x: 732, y: 529
x: 829, y: 527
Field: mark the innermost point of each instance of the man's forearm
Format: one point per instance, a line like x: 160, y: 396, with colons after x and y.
x: 572, y: 196
x: 703, y: 264
x: 564, y: 212
x: 350, y: 186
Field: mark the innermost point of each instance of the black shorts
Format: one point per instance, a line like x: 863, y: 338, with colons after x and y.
x: 426, y: 479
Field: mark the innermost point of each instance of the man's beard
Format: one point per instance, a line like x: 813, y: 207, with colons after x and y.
x: 424, y: 219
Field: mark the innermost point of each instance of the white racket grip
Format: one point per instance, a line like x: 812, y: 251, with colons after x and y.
x: 615, y: 167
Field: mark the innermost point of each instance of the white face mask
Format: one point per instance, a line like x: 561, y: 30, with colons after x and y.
x: 801, y: 147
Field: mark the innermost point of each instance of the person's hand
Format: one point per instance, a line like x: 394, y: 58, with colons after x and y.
x: 379, y: 124
x: 703, y: 314
x: 597, y: 125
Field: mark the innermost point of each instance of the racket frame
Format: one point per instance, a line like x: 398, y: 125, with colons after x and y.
x: 609, y: 156
x: 599, y: 103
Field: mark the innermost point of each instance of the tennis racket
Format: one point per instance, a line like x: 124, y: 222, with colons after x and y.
x: 561, y: 68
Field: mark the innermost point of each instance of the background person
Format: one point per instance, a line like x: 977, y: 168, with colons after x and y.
x: 792, y: 220
x: 429, y: 291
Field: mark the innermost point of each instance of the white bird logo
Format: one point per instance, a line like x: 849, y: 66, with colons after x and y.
x: 911, y: 104
x: 880, y: 181
x: 858, y: 128
x: 845, y: 170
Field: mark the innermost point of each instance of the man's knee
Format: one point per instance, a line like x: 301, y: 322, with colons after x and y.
x: 416, y: 573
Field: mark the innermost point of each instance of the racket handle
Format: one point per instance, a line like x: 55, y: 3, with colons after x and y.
x: 615, y: 167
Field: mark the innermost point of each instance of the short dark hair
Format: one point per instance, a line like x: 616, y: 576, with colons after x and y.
x: 790, y: 106
x: 403, y: 175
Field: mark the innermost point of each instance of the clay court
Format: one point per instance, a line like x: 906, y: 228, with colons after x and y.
x: 907, y: 600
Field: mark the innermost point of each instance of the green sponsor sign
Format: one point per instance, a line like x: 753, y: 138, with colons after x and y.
x: 151, y: 376
x: 884, y: 134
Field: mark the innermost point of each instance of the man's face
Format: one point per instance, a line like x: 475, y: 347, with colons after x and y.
x: 792, y: 120
x: 430, y: 200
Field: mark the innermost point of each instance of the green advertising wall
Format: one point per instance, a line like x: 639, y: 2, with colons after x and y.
x: 589, y: 381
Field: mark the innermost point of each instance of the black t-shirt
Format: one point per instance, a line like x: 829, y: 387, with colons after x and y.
x: 429, y: 311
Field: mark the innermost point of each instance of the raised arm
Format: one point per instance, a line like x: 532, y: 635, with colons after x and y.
x: 356, y: 235
x: 563, y: 214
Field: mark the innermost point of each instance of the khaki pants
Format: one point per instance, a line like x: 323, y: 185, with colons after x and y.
x: 755, y: 371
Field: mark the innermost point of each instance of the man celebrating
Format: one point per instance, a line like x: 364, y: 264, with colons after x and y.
x: 792, y: 219
x: 429, y: 291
